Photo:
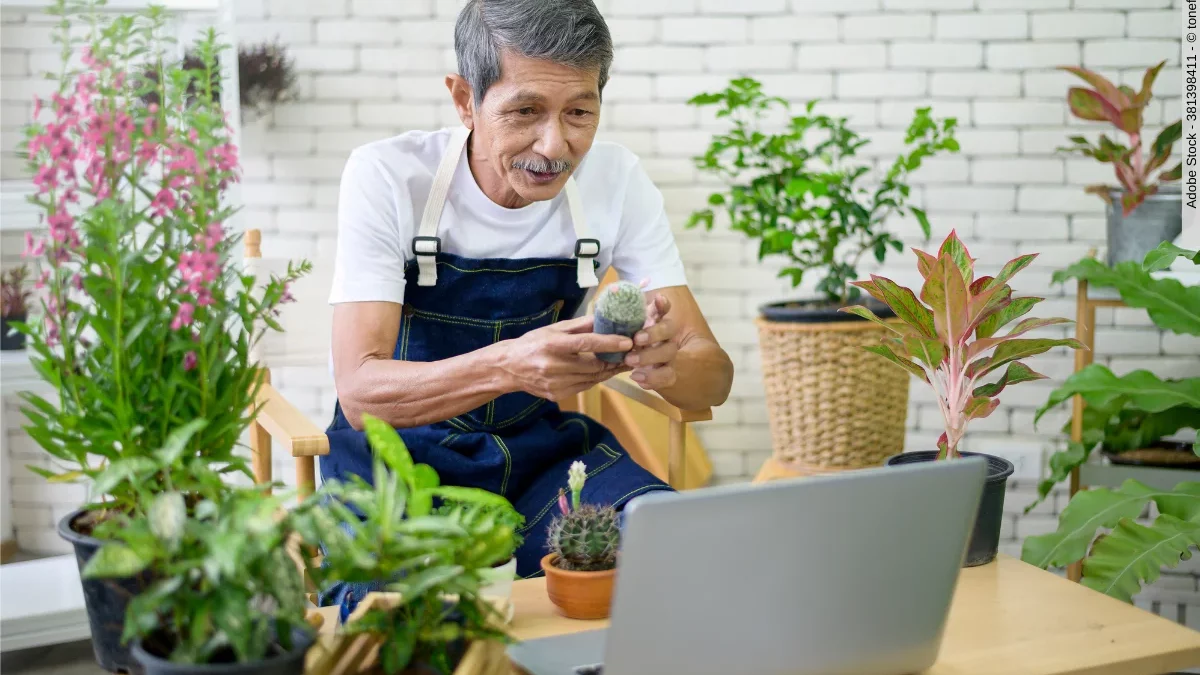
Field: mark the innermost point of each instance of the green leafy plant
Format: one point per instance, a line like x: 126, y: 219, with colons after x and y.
x: 585, y: 537
x: 148, y: 323
x: 225, y: 588
x: 1134, y: 410
x: 437, y: 563
x: 1122, y: 107
x: 803, y: 192
x: 1130, y: 554
x: 933, y: 340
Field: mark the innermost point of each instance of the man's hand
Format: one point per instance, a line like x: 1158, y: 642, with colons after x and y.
x: 558, y: 361
x: 657, y: 345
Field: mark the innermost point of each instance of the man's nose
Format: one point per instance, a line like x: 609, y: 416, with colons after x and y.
x: 552, y: 141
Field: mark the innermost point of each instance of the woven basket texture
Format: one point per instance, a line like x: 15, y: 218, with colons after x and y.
x: 831, y: 404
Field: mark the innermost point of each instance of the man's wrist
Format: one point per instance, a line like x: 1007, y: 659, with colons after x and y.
x: 493, y: 368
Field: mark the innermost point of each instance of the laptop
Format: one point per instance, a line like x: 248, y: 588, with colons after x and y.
x: 844, y: 574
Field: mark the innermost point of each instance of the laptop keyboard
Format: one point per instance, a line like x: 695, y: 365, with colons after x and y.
x: 594, y: 669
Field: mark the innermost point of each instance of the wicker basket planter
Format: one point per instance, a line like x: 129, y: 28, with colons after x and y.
x: 832, y: 405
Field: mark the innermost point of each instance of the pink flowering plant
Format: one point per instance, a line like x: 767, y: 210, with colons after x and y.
x: 146, y: 323
x: 949, y: 337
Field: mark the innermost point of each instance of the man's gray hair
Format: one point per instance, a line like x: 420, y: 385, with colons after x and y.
x: 568, y: 32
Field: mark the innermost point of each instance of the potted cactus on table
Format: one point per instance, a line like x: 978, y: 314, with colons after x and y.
x: 1145, y: 209
x: 933, y: 341
x: 620, y: 310
x: 582, y: 562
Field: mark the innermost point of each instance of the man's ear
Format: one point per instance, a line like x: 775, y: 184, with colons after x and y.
x: 464, y: 99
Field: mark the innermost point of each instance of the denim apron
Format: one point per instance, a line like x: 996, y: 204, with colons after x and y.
x: 517, y: 445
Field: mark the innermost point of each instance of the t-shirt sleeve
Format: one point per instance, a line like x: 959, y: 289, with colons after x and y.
x: 372, y: 231
x: 645, y: 246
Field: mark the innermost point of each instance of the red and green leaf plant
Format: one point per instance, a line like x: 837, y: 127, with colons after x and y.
x: 932, y: 334
x: 1135, y: 165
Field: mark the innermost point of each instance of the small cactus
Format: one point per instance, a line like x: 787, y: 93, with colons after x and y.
x: 620, y: 310
x: 585, y: 537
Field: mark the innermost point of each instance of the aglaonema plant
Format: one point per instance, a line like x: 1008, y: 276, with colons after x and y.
x: 949, y: 337
x: 1135, y: 165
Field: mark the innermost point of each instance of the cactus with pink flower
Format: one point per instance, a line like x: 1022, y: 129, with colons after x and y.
x: 147, y: 321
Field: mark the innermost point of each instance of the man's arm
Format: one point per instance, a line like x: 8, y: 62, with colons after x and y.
x: 553, y: 362
x: 677, y: 354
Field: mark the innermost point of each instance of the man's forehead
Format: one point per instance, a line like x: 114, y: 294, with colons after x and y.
x: 527, y: 95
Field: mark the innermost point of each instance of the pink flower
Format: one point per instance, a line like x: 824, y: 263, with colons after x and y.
x: 562, y: 502
x: 189, y: 360
x: 46, y: 179
x: 184, y: 316
x: 164, y: 202
x: 37, y: 106
x: 287, y: 294
x: 34, y: 248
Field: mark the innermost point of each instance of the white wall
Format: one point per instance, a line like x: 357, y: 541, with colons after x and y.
x: 372, y: 68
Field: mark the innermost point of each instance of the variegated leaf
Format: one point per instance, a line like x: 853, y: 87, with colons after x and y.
x: 1018, y: 349
x: 957, y: 251
x: 1017, y: 372
x: 980, y: 346
x: 1105, y: 87
x: 887, y: 353
x: 1089, y: 105
x: 897, y: 328
x: 930, y: 352
x: 905, y: 304
x: 1017, y: 307
x: 1143, y: 96
x: 167, y: 516
x: 943, y: 446
x: 946, y: 292
x: 925, y: 263
x: 1012, y: 267
x: 980, y: 407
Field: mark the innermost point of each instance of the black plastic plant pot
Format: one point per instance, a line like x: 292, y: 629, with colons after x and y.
x: 105, y: 600
x: 985, y: 538
x: 290, y: 662
x: 10, y: 338
x: 820, y: 311
x: 604, y: 326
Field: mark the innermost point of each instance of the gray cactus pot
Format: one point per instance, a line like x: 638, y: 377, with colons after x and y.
x: 1159, y: 218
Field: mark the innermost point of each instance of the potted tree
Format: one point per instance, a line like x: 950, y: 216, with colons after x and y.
x: 1145, y: 208
x: 804, y: 195
x: 418, y: 576
x: 14, y: 297
x: 266, y: 78
x: 581, y: 565
x: 227, y: 598
x: 147, y: 324
x: 933, y: 341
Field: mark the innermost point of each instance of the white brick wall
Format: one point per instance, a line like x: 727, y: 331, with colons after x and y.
x: 370, y: 68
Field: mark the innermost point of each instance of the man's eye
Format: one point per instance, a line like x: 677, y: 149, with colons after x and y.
x: 581, y: 112
x: 525, y: 111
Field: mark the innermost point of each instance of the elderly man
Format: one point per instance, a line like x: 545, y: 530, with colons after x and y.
x: 465, y: 261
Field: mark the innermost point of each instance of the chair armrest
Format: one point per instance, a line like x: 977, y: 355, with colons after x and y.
x: 287, y: 425
x: 631, y: 390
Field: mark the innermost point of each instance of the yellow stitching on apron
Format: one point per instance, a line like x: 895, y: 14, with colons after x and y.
x: 474, y: 323
x: 641, y: 489
x: 523, y: 269
x: 405, y: 324
x: 449, y: 437
x: 459, y: 424
x: 587, y: 444
x: 507, y: 464
x: 521, y: 415
x: 486, y: 323
x: 491, y: 406
x: 613, y: 455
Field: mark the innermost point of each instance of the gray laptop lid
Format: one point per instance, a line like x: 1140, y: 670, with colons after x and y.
x: 849, y: 573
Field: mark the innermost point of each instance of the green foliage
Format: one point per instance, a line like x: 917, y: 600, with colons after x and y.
x: 622, y: 303
x: 223, y: 582
x: 1171, y: 305
x: 438, y: 562
x: 1122, y: 108
x: 1131, y: 554
x: 586, y: 539
x: 933, y: 340
x: 803, y: 192
x: 133, y: 346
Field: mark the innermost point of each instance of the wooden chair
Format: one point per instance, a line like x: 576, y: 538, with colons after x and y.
x: 634, y: 415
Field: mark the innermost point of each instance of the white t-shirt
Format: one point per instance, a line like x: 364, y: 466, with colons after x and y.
x: 386, y: 183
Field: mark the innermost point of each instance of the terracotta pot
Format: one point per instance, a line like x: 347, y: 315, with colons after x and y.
x: 579, y: 595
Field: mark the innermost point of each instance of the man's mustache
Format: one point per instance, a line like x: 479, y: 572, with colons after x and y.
x: 543, y: 165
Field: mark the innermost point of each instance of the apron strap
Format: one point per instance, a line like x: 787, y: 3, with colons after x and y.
x: 427, y: 245
x: 586, y: 247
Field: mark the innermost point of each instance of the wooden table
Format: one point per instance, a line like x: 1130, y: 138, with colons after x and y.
x: 1007, y: 618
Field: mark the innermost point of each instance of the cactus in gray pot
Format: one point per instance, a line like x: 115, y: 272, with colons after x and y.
x: 620, y: 310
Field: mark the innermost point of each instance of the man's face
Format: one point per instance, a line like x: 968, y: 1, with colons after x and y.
x: 535, y: 125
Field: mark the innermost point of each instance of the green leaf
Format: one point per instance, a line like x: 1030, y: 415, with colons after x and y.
x: 954, y: 247
x: 980, y: 407
x: 1164, y: 255
x: 1014, y: 350
x: 413, y: 587
x: 1167, y: 138
x: 167, y: 515
x: 121, y: 471
x: 1088, y: 511
x: 922, y: 220
x: 1172, y: 174
x: 425, y: 477
x: 1061, y: 464
x: 904, y: 303
x: 930, y: 352
x: 887, y: 353
x: 1017, y: 307
x: 1133, y: 554
x: 1017, y: 372
x: 1010, y: 269
x: 469, y: 495
x: 946, y: 292
x: 386, y: 442
x: 1026, y: 325
x: 114, y: 560
x: 897, y: 328
x: 178, y: 440
x: 1171, y: 305
x: 1143, y: 389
